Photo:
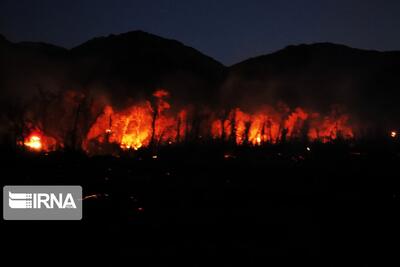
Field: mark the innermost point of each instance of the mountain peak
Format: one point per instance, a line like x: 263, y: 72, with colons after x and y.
x: 132, y: 38
x: 137, y: 45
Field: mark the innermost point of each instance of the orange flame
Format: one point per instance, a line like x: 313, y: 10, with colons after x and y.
x: 33, y: 142
x: 152, y: 122
x: 37, y: 141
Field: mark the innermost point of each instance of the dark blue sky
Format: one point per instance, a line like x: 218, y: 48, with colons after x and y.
x: 229, y: 31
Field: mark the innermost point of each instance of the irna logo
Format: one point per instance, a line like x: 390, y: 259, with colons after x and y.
x: 42, y: 202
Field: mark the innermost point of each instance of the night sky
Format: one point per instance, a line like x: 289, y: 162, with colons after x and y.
x: 227, y: 30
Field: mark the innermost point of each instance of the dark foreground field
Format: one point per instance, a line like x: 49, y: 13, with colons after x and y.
x: 331, y: 205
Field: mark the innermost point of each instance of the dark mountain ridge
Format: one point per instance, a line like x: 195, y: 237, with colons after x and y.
x: 142, y: 61
x: 133, y: 64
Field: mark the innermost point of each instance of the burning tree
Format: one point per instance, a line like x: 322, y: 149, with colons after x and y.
x: 73, y: 120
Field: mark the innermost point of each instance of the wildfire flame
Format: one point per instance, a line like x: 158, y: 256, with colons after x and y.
x: 33, y: 142
x: 38, y: 141
x: 152, y: 122
x: 265, y: 127
x: 100, y: 128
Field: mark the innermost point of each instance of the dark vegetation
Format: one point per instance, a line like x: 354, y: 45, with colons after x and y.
x: 221, y: 204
